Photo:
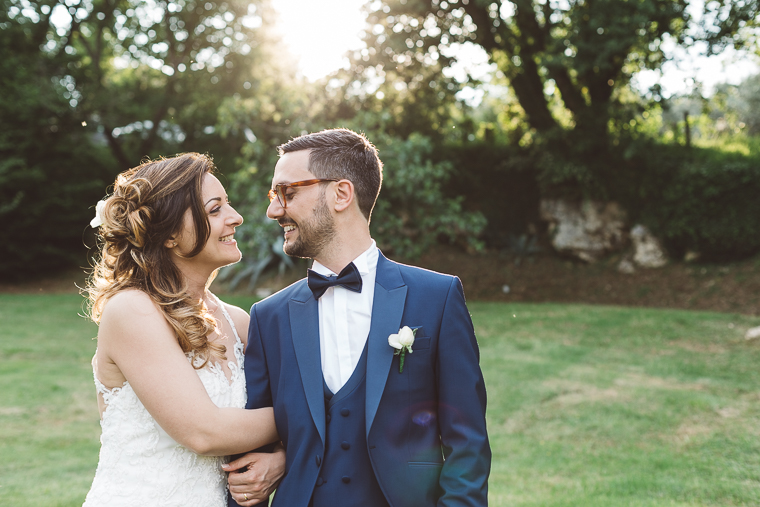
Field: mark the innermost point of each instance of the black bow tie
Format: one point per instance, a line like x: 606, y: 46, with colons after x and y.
x: 348, y: 278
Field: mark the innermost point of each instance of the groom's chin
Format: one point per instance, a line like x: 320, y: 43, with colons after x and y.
x: 294, y: 250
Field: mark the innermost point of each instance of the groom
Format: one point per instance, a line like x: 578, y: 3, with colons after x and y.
x: 363, y: 423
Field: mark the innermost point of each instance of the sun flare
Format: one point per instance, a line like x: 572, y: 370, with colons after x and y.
x: 320, y: 34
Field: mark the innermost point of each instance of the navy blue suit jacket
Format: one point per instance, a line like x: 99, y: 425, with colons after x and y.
x: 425, y: 427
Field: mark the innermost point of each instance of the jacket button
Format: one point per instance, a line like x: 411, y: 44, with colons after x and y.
x: 320, y: 481
x: 346, y: 479
x: 344, y: 412
x: 318, y: 460
x: 345, y: 445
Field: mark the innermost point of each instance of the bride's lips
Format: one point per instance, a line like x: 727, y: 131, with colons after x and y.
x: 228, y: 240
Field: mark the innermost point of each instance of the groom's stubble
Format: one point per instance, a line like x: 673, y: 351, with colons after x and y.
x: 314, y: 233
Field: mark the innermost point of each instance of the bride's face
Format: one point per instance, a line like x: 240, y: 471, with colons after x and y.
x: 221, y: 248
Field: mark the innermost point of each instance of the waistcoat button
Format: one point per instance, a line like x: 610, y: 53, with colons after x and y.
x: 320, y: 481
x: 345, y: 445
x: 318, y: 460
x: 344, y: 412
x: 346, y: 479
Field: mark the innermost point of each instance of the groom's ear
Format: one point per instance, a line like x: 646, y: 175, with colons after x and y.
x: 344, y: 195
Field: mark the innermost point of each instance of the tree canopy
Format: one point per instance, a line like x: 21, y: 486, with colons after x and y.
x: 91, y: 87
x: 568, y: 63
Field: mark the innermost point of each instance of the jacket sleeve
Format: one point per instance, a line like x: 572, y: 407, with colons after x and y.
x: 257, y: 379
x: 256, y: 371
x: 461, y: 407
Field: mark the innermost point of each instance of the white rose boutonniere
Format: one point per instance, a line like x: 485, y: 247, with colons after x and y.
x: 402, y: 342
x: 98, y: 220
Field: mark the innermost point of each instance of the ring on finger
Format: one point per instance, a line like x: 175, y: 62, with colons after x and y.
x: 245, y: 496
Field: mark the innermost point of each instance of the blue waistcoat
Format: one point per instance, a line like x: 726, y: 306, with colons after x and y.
x: 346, y: 476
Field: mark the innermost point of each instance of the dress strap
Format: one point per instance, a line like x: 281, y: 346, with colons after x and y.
x: 229, y: 319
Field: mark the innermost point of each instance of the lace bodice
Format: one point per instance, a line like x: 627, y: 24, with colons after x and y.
x: 140, y: 465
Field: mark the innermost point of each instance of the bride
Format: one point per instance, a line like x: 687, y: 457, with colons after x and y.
x: 169, y: 363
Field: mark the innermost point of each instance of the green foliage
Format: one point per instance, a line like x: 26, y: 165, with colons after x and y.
x: 700, y: 199
x: 498, y: 181
x: 413, y: 212
x: 87, y: 97
x: 712, y: 206
x: 584, y: 50
x: 151, y: 78
x: 568, y: 64
x: 733, y: 109
x: 52, y: 170
x: 748, y: 105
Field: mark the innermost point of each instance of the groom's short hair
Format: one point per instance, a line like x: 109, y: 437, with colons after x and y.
x: 343, y: 154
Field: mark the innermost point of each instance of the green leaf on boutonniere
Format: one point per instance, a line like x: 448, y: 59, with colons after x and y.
x: 402, y: 342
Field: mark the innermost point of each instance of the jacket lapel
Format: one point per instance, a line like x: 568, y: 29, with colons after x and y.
x: 387, y: 310
x: 304, y: 328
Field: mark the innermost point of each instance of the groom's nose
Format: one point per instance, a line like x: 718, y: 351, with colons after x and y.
x: 275, y: 209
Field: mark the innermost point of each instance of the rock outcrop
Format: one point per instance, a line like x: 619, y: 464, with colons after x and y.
x: 587, y: 230
x: 648, y: 252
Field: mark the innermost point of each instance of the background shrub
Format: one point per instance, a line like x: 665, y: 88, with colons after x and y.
x: 699, y: 199
x: 713, y: 207
x: 413, y: 212
x: 497, y: 181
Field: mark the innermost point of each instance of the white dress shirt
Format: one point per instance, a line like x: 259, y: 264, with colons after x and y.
x: 344, y: 320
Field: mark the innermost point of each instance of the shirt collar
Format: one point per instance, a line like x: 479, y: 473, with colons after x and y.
x: 365, y: 262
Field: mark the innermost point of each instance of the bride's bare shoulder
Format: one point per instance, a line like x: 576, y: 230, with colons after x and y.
x: 131, y: 319
x: 131, y: 305
x: 236, y: 312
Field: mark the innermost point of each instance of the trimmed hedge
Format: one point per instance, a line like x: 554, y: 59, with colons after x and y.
x: 695, y: 199
x: 711, y: 207
x: 499, y: 182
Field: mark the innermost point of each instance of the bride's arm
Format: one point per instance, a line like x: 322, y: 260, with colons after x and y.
x: 136, y: 337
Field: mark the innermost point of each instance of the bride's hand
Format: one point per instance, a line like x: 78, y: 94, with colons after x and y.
x: 255, y: 476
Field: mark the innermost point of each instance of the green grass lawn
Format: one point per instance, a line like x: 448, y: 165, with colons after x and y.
x: 588, y: 406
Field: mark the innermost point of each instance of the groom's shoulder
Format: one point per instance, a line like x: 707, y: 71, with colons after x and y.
x: 417, y: 275
x: 282, y: 296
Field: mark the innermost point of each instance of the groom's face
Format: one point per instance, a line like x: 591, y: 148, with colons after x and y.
x: 307, y: 221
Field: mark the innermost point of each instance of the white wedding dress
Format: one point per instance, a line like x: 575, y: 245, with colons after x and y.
x: 142, y: 466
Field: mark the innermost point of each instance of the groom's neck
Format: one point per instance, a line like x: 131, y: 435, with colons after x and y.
x: 344, y: 249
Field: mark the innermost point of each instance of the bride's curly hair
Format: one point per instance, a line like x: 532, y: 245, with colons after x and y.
x: 146, y: 209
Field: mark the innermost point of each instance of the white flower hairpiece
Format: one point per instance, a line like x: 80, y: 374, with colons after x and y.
x: 98, y: 220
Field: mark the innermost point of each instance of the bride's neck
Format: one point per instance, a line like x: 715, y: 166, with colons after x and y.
x: 196, y: 285
x: 196, y: 279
